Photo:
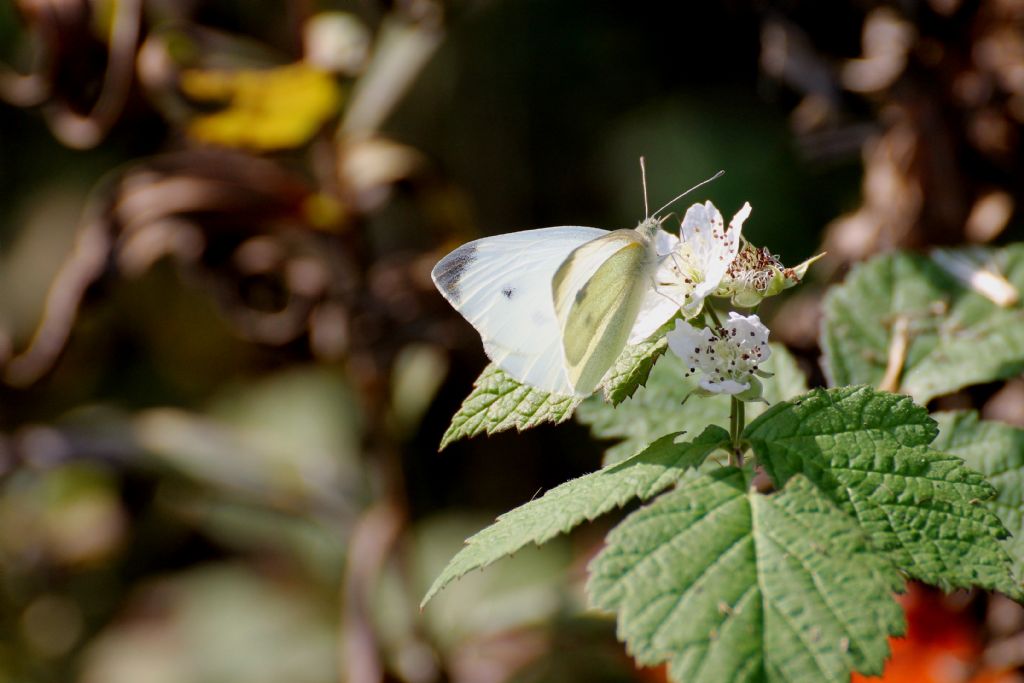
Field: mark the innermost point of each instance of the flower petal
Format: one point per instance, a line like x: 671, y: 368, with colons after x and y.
x: 665, y: 242
x: 725, y: 386
x: 749, y: 332
x: 736, y: 224
x: 696, y: 222
x: 656, y: 309
x: 688, y: 342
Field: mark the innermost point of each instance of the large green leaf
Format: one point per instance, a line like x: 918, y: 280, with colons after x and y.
x: 868, y: 451
x: 581, y: 500
x: 997, y: 451
x: 955, y: 336
x: 730, y: 585
x: 659, y: 408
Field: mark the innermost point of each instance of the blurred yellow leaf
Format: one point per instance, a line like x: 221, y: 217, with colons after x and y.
x: 267, y: 108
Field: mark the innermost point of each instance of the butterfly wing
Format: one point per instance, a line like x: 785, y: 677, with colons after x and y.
x: 502, y: 286
x: 598, y: 292
x: 668, y: 292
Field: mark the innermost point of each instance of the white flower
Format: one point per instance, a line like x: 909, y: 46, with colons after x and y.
x: 727, y: 357
x: 690, y: 267
x: 705, y: 251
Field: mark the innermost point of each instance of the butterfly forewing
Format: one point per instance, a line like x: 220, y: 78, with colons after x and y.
x: 597, y: 292
x: 502, y: 286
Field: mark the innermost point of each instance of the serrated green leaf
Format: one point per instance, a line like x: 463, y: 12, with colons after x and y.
x: 634, y: 366
x: 956, y: 337
x: 583, y: 499
x: 498, y: 403
x: 731, y: 586
x: 868, y: 451
x: 659, y: 407
x: 997, y: 451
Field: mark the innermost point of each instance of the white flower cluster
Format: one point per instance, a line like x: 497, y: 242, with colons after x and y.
x: 708, y: 259
x: 691, y: 267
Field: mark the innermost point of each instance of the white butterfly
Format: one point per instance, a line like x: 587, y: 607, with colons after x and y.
x: 556, y: 306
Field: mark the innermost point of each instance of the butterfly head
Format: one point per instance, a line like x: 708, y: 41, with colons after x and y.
x: 649, y: 227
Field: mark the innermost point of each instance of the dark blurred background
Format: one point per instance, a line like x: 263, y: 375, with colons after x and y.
x: 225, y: 371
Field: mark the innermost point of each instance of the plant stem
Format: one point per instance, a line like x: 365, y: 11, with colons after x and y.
x: 732, y: 421
x: 737, y: 421
x: 714, y: 316
x: 741, y: 409
x: 737, y: 418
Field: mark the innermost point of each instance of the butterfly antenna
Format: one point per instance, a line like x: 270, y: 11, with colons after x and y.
x: 700, y: 184
x: 643, y: 180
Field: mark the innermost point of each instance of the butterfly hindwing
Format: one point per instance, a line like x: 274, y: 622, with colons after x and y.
x: 597, y: 293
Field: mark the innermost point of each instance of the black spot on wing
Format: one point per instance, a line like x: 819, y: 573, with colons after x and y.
x: 508, y: 291
x: 448, y: 271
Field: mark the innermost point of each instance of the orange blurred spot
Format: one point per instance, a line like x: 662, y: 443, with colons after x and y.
x: 940, y: 645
